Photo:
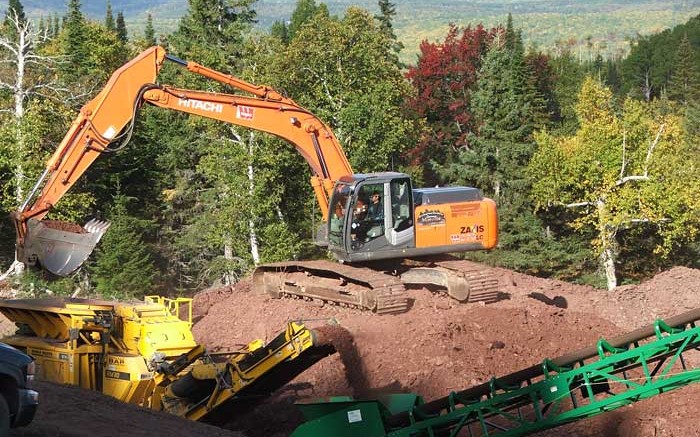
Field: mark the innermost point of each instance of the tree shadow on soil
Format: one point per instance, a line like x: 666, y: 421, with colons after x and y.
x: 557, y: 301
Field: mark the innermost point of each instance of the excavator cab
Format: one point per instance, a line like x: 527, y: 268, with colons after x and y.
x: 381, y: 216
x: 371, y: 216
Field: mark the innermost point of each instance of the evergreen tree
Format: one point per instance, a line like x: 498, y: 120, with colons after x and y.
x: 14, y: 18
x: 569, y: 75
x: 121, y: 28
x: 56, y: 25
x: 612, y: 76
x: 387, y: 12
x: 123, y: 266
x: 41, y: 27
x: 502, y: 144
x: 540, y: 84
x: 109, y: 18
x: 684, y: 85
x: 75, y: 40
x: 637, y: 70
x: 511, y: 36
x: 280, y: 31
x: 15, y: 7
x: 507, y: 107
x: 304, y: 11
x: 211, y: 32
x: 149, y: 32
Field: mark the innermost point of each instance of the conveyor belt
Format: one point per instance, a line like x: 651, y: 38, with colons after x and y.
x: 641, y: 364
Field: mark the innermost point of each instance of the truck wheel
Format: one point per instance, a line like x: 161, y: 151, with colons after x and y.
x: 4, y: 417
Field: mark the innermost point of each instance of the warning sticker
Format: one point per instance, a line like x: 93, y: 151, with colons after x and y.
x: 354, y: 416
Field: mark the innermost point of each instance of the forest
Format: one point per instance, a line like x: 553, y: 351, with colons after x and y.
x: 592, y: 161
x: 591, y: 27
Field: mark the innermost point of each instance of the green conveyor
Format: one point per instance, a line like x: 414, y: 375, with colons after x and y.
x: 629, y: 368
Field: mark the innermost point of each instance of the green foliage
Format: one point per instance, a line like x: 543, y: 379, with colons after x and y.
x: 34, y: 284
x: 121, y: 28
x: 109, y: 17
x: 218, y: 207
x: 212, y: 32
x: 280, y: 31
x: 387, y: 12
x: 343, y: 71
x: 213, y: 187
x: 304, y: 12
x: 648, y: 70
x: 149, y: 33
x: 621, y: 170
x: 93, y: 51
x: 14, y: 10
x: 123, y: 266
x: 501, y: 147
x: 506, y: 110
x: 75, y: 36
x: 684, y: 85
x: 569, y: 75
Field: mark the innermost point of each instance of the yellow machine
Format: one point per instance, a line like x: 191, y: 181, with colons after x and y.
x: 144, y: 353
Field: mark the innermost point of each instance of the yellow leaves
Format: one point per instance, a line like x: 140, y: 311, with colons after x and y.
x: 594, y: 107
x: 636, y: 166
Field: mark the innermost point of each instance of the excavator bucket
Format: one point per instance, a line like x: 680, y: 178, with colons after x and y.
x: 61, y: 247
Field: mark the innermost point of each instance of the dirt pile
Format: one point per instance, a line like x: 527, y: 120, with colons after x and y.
x: 436, y: 347
x: 66, y: 411
x: 441, y: 345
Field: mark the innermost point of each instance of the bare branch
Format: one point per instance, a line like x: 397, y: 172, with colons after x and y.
x: 579, y: 204
x: 631, y: 178
x: 624, y: 153
x: 652, y: 146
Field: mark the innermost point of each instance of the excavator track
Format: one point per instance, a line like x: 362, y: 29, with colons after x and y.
x: 465, y: 281
x: 331, y: 282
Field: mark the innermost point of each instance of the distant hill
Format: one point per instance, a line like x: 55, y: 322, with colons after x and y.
x: 587, y: 27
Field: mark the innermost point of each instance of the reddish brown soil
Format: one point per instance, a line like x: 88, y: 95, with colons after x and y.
x: 441, y: 345
x: 438, y: 346
x: 64, y: 226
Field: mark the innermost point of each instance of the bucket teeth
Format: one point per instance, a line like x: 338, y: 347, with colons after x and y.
x: 95, y: 226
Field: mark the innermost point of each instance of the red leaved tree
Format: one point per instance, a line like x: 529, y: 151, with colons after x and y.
x: 443, y: 80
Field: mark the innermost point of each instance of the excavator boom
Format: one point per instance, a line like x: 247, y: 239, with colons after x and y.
x: 63, y: 247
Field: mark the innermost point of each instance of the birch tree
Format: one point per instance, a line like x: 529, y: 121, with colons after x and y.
x: 620, y: 171
x: 19, y: 58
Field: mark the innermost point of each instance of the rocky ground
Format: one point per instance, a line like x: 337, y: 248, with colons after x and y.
x: 437, y: 346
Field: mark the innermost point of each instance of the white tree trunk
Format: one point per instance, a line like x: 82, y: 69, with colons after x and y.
x: 230, y: 276
x: 608, y: 254
x: 253, y: 237
x: 608, y: 262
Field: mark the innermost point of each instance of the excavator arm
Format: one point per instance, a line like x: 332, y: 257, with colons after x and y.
x: 60, y: 247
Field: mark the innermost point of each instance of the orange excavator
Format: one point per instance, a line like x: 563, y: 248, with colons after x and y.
x: 384, y: 232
